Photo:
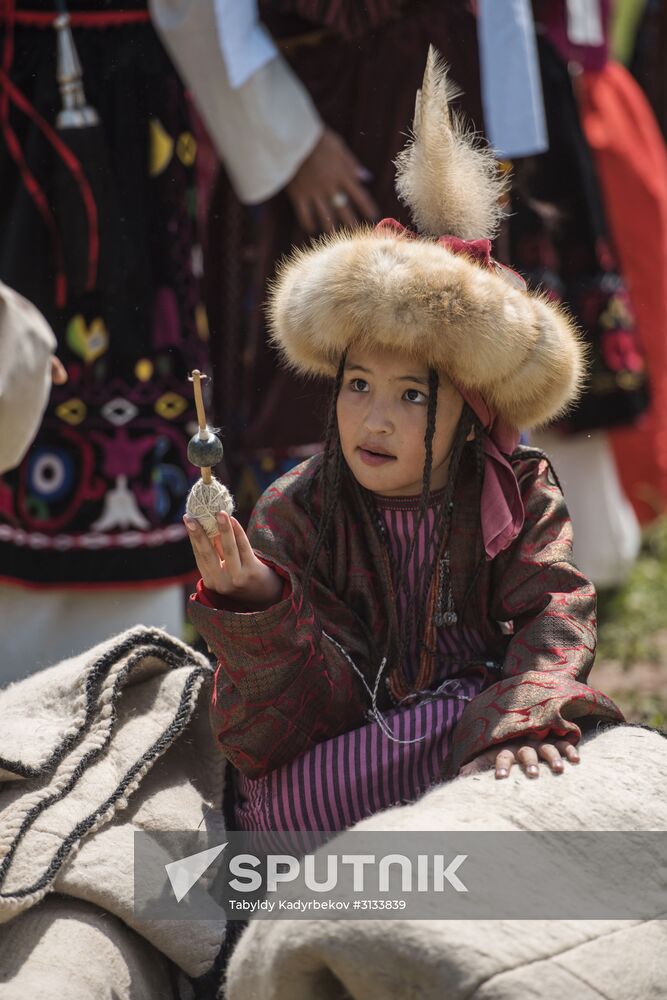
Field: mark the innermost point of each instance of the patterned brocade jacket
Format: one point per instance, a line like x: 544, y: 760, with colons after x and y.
x: 285, y: 681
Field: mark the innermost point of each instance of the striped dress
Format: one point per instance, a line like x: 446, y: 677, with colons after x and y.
x: 390, y: 760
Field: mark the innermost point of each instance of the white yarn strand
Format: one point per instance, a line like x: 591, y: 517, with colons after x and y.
x: 206, y: 500
x: 373, y: 713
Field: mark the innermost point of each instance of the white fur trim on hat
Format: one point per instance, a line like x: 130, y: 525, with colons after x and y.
x: 378, y: 289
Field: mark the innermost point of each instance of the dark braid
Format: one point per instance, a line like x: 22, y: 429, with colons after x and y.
x: 466, y: 423
x: 480, y: 461
x: 401, y: 574
x: 443, y: 526
x: 329, y: 478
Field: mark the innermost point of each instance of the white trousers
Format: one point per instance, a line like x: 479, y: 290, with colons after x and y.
x: 606, y: 531
x: 42, y: 627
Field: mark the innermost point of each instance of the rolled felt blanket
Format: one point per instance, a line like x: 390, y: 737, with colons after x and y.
x: 618, y: 786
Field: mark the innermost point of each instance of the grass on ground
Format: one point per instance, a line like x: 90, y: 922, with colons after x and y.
x: 632, y: 653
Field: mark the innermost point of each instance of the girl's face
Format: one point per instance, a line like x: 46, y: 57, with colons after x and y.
x: 382, y: 410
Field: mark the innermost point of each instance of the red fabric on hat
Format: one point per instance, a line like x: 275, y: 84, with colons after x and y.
x: 477, y: 250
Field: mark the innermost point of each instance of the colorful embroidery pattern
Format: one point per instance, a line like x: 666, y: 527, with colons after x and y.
x: 99, y: 497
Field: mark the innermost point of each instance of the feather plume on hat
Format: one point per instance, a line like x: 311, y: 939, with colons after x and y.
x: 432, y: 299
x: 446, y: 176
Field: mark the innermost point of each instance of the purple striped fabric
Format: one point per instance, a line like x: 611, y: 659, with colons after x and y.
x: 357, y: 774
x: 456, y: 646
x: 342, y: 780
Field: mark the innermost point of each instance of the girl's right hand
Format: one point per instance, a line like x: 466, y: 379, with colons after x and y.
x: 229, y: 566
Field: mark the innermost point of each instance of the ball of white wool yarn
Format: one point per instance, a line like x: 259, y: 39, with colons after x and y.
x: 206, y: 500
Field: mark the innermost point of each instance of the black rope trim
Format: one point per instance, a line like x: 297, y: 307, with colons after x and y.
x: 94, y: 678
x: 169, y: 652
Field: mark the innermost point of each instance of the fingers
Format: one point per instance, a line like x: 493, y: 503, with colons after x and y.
x: 326, y: 221
x: 232, y: 559
x: 346, y: 214
x: 362, y: 200
x: 245, y: 549
x: 208, y: 562
x: 330, y: 217
x: 530, y: 754
x: 504, y: 761
x: 548, y: 752
x: 527, y: 757
x: 568, y: 751
x: 304, y: 213
x: 58, y: 372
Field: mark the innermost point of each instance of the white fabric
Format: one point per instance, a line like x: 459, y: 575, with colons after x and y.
x: 584, y: 22
x: 619, y: 785
x: 246, y: 44
x: 510, y: 75
x: 41, y: 627
x: 68, y: 949
x: 92, y: 750
x: 137, y: 708
x: 27, y: 344
x: 264, y: 129
x: 607, y: 536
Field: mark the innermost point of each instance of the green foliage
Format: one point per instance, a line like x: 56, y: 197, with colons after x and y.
x: 633, y: 619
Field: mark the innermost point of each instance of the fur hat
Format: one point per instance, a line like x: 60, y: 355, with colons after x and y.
x: 443, y: 301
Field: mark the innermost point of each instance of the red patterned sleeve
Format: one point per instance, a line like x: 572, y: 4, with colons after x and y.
x: 281, y: 685
x: 552, y: 609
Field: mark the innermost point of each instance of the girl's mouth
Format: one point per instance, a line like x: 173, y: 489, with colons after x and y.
x: 374, y: 457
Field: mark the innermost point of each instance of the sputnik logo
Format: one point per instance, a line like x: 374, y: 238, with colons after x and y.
x: 186, y: 871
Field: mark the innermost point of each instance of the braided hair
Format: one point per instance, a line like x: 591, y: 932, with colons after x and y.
x: 414, y: 626
x: 330, y: 477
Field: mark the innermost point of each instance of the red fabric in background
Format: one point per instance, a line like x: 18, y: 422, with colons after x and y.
x: 631, y: 161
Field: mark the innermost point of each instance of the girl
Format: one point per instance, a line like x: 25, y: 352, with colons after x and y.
x: 404, y: 606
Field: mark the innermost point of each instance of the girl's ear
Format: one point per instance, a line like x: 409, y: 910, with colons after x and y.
x: 471, y: 434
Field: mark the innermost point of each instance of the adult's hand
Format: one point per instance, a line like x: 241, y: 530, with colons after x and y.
x: 327, y: 190
x: 58, y: 372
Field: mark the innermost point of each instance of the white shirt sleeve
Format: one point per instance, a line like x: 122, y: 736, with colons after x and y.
x: 263, y: 129
x: 246, y: 44
x: 27, y: 343
x: 510, y: 76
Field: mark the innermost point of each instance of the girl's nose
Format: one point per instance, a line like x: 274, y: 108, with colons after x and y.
x: 378, y: 419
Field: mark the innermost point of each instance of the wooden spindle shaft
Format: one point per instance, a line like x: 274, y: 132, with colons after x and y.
x: 197, y: 378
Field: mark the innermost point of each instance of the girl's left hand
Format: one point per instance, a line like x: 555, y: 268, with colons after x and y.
x: 527, y: 753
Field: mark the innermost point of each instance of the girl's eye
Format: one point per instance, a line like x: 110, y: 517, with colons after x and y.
x: 415, y: 396
x: 359, y: 385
